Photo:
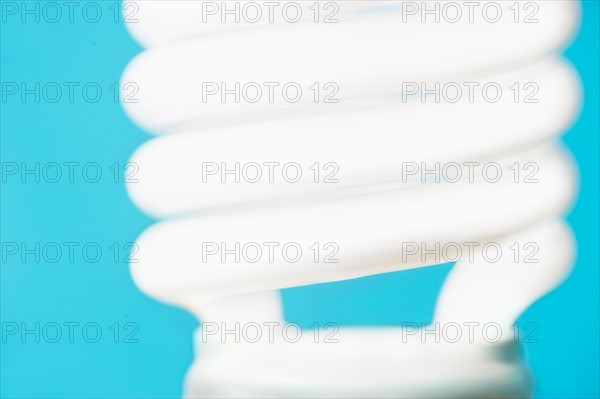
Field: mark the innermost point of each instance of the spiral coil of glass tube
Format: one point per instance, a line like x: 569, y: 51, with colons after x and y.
x: 218, y: 82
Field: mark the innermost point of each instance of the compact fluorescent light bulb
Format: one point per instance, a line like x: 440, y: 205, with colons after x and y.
x: 378, y: 58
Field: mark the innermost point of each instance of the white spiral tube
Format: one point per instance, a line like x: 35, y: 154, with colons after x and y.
x: 371, y: 135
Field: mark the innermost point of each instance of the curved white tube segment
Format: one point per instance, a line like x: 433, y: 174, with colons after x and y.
x: 383, y: 196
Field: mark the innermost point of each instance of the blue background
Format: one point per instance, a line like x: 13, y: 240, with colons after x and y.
x: 565, y: 360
